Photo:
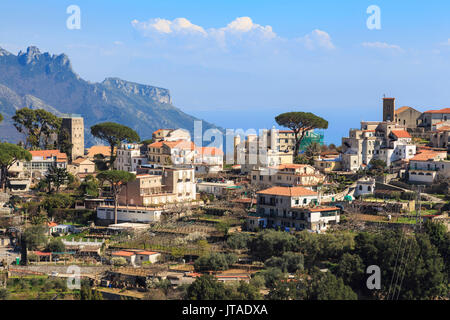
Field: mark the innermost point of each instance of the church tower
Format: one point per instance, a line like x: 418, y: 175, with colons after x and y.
x: 388, y: 109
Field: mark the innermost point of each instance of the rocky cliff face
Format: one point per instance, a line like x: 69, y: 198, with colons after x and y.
x: 40, y: 80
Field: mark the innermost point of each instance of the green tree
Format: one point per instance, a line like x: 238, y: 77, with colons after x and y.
x: 63, y: 143
x: 214, y: 262
x: 377, y: 166
x: 56, y: 201
x: 207, y: 287
x: 313, y: 149
x: 303, y: 159
x: 37, y: 125
x: 223, y: 227
x: 272, y: 276
x: 289, y: 262
x: 4, y: 294
x: 55, y: 245
x: 56, y: 177
x: 117, y: 180
x: 245, y: 291
x: 9, y: 154
x: 326, y: 286
x: 114, y: 134
x: 238, y: 240
x: 300, y: 123
x: 1, y: 117
x: 90, y: 187
x: 35, y: 236
x: 270, y: 243
x: 440, y: 238
x: 351, y: 269
x: 413, y: 260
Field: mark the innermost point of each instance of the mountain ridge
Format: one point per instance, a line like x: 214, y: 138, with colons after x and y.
x: 41, y: 80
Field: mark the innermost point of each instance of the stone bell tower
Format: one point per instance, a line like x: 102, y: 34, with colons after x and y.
x: 388, y: 109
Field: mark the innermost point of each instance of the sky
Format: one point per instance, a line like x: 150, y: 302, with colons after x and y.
x: 240, y: 63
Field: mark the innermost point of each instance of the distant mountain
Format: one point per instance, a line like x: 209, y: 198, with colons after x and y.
x: 40, y: 80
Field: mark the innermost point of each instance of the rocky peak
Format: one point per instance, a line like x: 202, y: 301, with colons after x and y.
x: 32, y: 56
x: 157, y: 94
x: 4, y: 52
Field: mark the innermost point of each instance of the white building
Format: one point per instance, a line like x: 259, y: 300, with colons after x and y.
x: 427, y: 165
x: 385, y: 141
x: 129, y: 213
x: 294, y: 208
x: 42, y: 160
x: 215, y: 188
x: 261, y: 150
x: 129, y: 157
x: 365, y: 186
x: 287, y: 175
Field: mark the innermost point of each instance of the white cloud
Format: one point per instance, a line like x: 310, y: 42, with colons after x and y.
x: 241, y: 34
x: 317, y: 39
x: 381, y: 45
x: 163, y: 26
x: 246, y: 25
x: 240, y: 27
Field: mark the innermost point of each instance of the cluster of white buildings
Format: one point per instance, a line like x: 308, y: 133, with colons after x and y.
x: 382, y: 140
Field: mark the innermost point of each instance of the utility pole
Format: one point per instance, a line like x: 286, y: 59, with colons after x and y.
x: 418, y: 207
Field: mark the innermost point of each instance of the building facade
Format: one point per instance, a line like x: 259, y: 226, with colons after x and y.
x: 74, y: 126
x: 427, y: 165
x: 287, y: 175
x: 294, y: 208
x: 129, y: 157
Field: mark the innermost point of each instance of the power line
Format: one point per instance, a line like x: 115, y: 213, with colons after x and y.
x: 395, y: 266
x: 417, y: 229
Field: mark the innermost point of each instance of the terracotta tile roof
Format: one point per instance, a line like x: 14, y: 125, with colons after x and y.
x: 445, y: 110
x: 179, y: 144
x: 443, y: 128
x: 158, y: 144
x: 426, y: 155
x: 49, y: 154
x: 123, y: 253
x: 288, y: 191
x: 210, y: 151
x: 291, y: 166
x: 81, y: 160
x: 159, y: 130
x: 401, y: 133
x: 323, y: 209
x: 149, y: 253
x: 404, y: 108
x: 42, y: 254
x: 103, y: 150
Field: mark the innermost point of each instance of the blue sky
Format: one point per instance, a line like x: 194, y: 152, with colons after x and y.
x: 240, y: 63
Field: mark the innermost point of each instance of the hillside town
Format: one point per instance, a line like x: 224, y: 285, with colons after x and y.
x: 169, y: 217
